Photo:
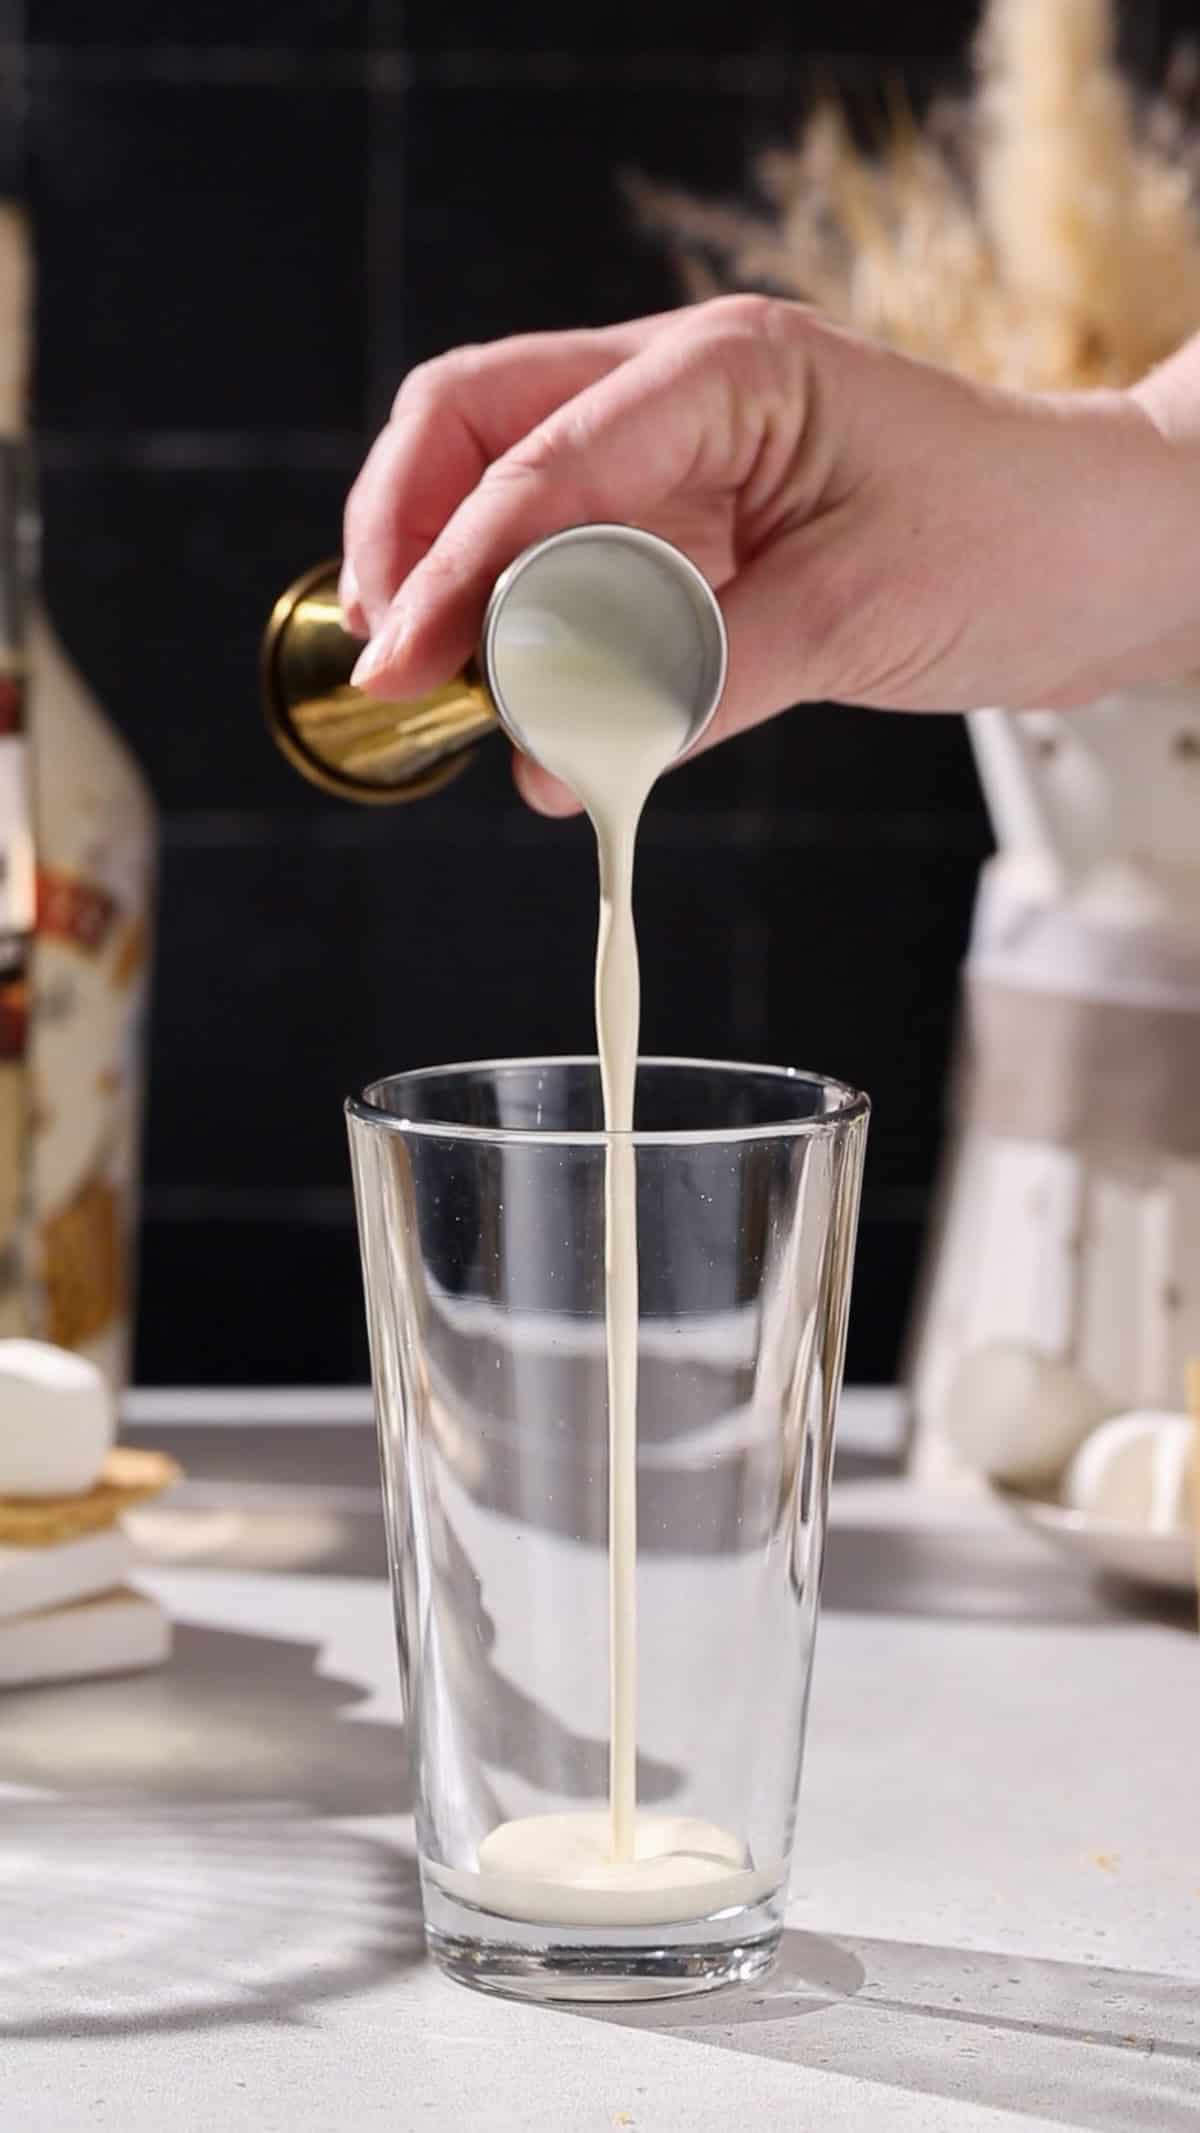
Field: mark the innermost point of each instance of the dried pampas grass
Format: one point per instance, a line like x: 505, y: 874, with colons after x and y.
x: 1044, y: 234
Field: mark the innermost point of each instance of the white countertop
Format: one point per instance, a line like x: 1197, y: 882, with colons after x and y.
x: 208, y: 1905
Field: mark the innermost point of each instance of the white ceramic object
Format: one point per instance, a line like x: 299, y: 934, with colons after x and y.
x: 1136, y: 1470
x: 1073, y: 1230
x: 1165, y: 1561
x: 58, y: 1573
x: 57, y: 1420
x: 1017, y: 1416
x: 119, y: 1632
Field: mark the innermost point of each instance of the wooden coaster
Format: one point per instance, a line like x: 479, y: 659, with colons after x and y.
x: 128, y: 1476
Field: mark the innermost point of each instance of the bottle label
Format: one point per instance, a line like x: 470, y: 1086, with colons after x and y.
x: 17, y: 901
x: 18, y: 894
x: 75, y: 912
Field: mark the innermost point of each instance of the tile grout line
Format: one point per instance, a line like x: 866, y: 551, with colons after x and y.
x: 955, y: 834
x: 197, y: 450
x: 14, y: 105
x: 388, y: 68
x: 385, y: 249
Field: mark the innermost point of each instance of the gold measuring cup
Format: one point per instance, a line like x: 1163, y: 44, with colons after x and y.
x: 359, y: 747
x: 365, y: 748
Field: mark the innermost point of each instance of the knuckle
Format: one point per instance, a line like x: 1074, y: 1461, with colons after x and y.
x: 541, y: 457
x: 761, y: 343
x: 557, y: 456
x: 442, y: 569
x: 439, y: 378
x: 536, y: 456
x: 757, y: 329
x: 744, y: 314
x: 550, y: 467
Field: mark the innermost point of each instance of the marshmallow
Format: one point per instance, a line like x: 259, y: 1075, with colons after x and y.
x: 34, y: 1578
x: 1018, y: 1416
x: 1136, y: 1471
x: 120, y: 1633
x: 57, y: 1420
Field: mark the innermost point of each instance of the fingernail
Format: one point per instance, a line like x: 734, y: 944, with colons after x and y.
x: 370, y: 661
x: 348, y: 588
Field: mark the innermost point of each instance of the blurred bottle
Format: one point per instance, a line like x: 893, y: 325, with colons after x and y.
x: 17, y: 899
x: 81, y: 1056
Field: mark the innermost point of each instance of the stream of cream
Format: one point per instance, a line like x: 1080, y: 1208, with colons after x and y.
x: 608, y: 728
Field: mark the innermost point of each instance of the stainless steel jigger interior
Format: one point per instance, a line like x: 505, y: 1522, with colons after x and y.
x: 623, y: 589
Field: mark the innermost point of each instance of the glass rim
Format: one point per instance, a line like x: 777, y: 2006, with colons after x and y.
x: 851, y: 1106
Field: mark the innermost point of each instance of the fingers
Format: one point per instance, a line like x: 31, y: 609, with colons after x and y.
x: 785, y: 615
x: 680, y: 419
x: 451, y: 419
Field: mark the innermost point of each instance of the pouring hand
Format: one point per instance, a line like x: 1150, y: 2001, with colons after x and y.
x: 881, y: 532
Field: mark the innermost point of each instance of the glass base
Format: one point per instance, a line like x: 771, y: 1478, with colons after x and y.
x: 560, y: 1963
x: 589, y: 1973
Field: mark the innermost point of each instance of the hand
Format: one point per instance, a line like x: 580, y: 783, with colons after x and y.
x: 880, y: 531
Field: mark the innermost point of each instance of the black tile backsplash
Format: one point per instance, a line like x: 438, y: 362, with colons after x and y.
x: 863, y: 946
x: 160, y: 581
x: 80, y: 25
x: 250, y: 224
x: 876, y: 28
x: 885, y: 1276
x: 263, y: 1021
x: 201, y: 253
x: 475, y: 945
x: 487, y: 238
x: 837, y: 759
x: 249, y: 1301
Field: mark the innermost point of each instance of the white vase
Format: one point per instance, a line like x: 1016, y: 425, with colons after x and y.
x: 1063, y: 1276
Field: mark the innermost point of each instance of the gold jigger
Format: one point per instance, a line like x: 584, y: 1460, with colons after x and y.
x: 651, y: 598
x: 358, y: 746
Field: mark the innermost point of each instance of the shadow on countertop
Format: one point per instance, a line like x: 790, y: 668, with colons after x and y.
x: 973, y: 1573
x: 179, y: 1873
x: 1084, y: 2046
x: 234, y: 1717
x: 125, y: 1918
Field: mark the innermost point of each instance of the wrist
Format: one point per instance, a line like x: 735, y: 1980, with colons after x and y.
x: 1168, y: 502
x: 1139, y: 538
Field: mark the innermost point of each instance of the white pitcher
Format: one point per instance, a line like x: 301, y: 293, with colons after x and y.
x: 1068, y: 1235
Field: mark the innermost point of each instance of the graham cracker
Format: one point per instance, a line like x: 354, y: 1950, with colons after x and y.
x: 128, y: 1476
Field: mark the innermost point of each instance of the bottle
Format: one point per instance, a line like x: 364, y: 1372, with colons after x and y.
x: 94, y: 845
x: 17, y: 899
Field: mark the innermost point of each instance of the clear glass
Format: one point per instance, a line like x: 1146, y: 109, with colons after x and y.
x: 480, y: 1193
